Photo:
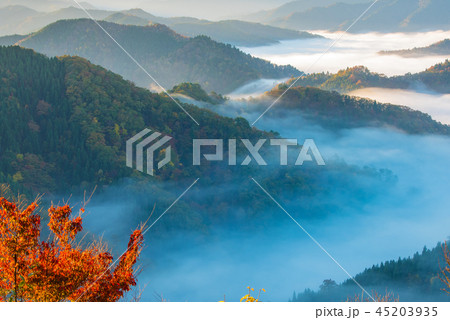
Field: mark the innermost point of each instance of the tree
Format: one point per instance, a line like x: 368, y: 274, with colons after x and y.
x: 445, y: 270
x: 59, y: 269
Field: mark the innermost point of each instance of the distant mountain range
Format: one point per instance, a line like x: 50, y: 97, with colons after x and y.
x: 292, y: 7
x: 234, y: 32
x: 169, y: 57
x: 23, y: 20
x: 438, y: 49
x: 72, y: 119
x: 384, y: 16
x: 44, y: 5
x: 435, y: 78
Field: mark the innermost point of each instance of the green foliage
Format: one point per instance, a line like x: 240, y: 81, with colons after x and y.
x: 435, y: 78
x: 414, y: 278
x: 196, y: 92
x: 438, y: 48
x: 65, y: 123
x: 168, y: 56
x: 334, y: 110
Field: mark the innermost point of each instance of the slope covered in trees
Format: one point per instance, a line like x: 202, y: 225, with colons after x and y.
x: 72, y: 119
x: 334, y: 110
x: 196, y: 92
x: 438, y: 48
x: 414, y: 278
x: 234, y: 32
x: 71, y: 123
x: 23, y: 20
x: 168, y: 57
x: 435, y: 78
x: 384, y: 16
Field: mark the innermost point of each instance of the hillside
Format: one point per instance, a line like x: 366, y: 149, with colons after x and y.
x: 234, y: 32
x: 333, y: 110
x: 71, y: 123
x: 10, y: 40
x: 239, y: 33
x: 44, y: 5
x: 72, y: 119
x: 384, y: 16
x: 434, y: 78
x: 291, y: 7
x: 20, y: 19
x: 196, y: 92
x: 438, y: 49
x: 169, y: 57
x: 15, y: 19
x: 410, y: 279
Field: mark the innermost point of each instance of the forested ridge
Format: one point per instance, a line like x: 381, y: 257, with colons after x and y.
x: 438, y: 48
x: 435, y: 78
x: 415, y: 278
x: 65, y: 122
x: 335, y: 111
x: 166, y: 55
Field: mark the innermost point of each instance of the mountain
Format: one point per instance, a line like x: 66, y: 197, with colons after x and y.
x: 23, y: 20
x: 71, y: 123
x: 436, y: 49
x: 208, y: 9
x: 286, y: 9
x: 167, y: 56
x: 384, y: 16
x: 10, y: 40
x: 196, y: 92
x: 11, y: 18
x: 44, y: 5
x: 129, y: 19
x: 234, y: 32
x: 435, y: 78
x: 414, y: 278
x: 240, y: 33
x: 72, y: 119
x: 335, y: 111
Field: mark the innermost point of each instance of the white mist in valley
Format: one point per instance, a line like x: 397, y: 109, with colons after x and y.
x: 434, y: 104
x: 351, y: 50
x: 255, y: 88
x: 394, y: 222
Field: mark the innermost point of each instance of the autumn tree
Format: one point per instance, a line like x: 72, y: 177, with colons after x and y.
x: 445, y: 269
x: 60, y: 268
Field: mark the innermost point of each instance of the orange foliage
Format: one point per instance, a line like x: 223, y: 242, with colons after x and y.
x: 445, y: 270
x: 58, y: 269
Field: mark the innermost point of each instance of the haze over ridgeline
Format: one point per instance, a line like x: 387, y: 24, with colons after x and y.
x: 168, y: 56
x: 385, y: 16
x: 23, y: 20
x: 76, y: 98
x: 73, y: 123
x: 435, y: 79
x: 439, y: 48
